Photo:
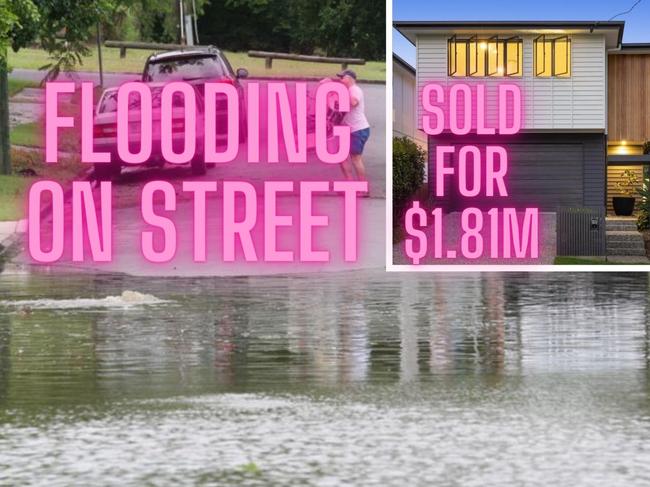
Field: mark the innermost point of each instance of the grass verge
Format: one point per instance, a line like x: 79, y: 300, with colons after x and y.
x: 28, y: 134
x: 31, y: 135
x: 30, y: 58
x: 587, y: 261
x: 13, y: 187
x: 12, y: 191
x: 17, y: 85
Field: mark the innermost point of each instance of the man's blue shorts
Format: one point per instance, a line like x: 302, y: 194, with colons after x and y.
x: 358, y: 140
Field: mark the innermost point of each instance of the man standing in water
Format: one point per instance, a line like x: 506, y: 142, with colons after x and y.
x: 359, y: 126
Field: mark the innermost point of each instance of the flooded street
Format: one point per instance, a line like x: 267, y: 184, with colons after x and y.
x: 350, y: 378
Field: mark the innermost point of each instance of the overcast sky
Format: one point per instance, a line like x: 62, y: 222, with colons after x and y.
x: 637, y: 22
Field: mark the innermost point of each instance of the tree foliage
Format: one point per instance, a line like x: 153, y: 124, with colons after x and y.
x: 353, y: 28
x: 409, y: 162
x: 150, y: 20
x: 19, y: 21
x: 61, y: 27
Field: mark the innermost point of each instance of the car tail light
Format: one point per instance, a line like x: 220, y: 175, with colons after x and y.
x: 227, y: 80
x: 105, y: 130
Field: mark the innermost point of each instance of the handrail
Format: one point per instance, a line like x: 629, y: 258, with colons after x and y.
x: 270, y: 56
x: 266, y: 55
x: 154, y: 46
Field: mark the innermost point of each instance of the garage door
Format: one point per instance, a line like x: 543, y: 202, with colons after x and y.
x: 543, y: 175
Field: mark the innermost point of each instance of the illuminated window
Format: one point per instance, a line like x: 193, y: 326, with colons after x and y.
x: 552, y: 57
x: 485, y: 57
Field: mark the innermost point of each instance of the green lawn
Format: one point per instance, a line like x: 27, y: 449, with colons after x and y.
x: 29, y: 134
x: 135, y: 58
x: 16, y: 85
x: 586, y: 261
x: 12, y: 189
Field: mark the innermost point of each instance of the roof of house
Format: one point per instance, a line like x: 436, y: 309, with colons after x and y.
x: 613, y: 30
x: 403, y: 63
x: 633, y: 48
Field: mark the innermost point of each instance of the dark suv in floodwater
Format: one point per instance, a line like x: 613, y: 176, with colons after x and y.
x: 196, y: 65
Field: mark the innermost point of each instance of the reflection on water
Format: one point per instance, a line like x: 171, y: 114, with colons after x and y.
x: 361, y: 378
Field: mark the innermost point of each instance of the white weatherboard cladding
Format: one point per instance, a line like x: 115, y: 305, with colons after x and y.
x: 403, y: 101
x: 575, y: 103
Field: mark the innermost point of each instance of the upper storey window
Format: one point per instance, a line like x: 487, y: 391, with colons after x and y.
x: 552, y: 56
x: 492, y: 56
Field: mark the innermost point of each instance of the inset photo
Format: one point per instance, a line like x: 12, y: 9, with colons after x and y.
x: 519, y: 144
x: 207, y: 137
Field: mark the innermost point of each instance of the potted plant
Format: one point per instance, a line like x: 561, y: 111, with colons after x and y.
x: 627, y: 186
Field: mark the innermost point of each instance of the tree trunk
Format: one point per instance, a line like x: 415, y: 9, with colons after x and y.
x: 5, y: 161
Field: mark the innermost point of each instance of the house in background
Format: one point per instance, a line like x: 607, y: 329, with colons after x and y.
x: 560, y: 157
x: 405, y: 103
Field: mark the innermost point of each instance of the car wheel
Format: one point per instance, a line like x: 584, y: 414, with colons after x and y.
x: 198, y: 167
x: 116, y: 170
x: 106, y: 171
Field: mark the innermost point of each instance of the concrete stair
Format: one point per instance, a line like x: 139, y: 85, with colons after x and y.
x: 623, y: 239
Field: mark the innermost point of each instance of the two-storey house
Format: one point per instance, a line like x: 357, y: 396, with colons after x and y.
x: 559, y: 158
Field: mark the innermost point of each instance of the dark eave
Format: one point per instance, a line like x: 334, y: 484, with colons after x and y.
x: 633, y: 48
x: 631, y: 160
x: 409, y: 28
x: 403, y: 63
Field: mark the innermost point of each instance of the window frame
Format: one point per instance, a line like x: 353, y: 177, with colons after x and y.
x: 554, y: 73
x: 519, y: 42
x: 473, y: 39
x: 495, y: 41
x: 452, y: 68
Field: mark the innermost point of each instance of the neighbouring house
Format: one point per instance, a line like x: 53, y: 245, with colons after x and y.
x: 586, y: 101
x: 405, y: 103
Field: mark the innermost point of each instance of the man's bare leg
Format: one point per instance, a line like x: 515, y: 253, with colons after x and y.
x: 357, y: 162
x: 347, y: 170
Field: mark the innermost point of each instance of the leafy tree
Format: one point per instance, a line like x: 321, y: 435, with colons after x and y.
x: 353, y: 28
x: 60, y: 26
x: 247, y: 24
x: 157, y: 20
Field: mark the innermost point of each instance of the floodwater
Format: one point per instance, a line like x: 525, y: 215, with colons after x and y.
x: 360, y: 378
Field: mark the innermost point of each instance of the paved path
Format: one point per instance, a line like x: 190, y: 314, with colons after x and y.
x: 110, y: 79
x: 128, y: 257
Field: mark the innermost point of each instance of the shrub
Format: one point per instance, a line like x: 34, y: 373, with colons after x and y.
x: 643, y: 220
x: 409, y: 162
x: 629, y: 183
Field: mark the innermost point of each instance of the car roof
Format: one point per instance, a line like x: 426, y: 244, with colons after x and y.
x: 156, y: 84
x: 151, y: 84
x: 182, y: 53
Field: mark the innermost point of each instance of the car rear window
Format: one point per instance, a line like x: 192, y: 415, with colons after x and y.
x: 108, y: 103
x: 185, y: 69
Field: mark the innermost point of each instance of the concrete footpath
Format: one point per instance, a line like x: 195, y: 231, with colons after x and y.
x: 9, y: 232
